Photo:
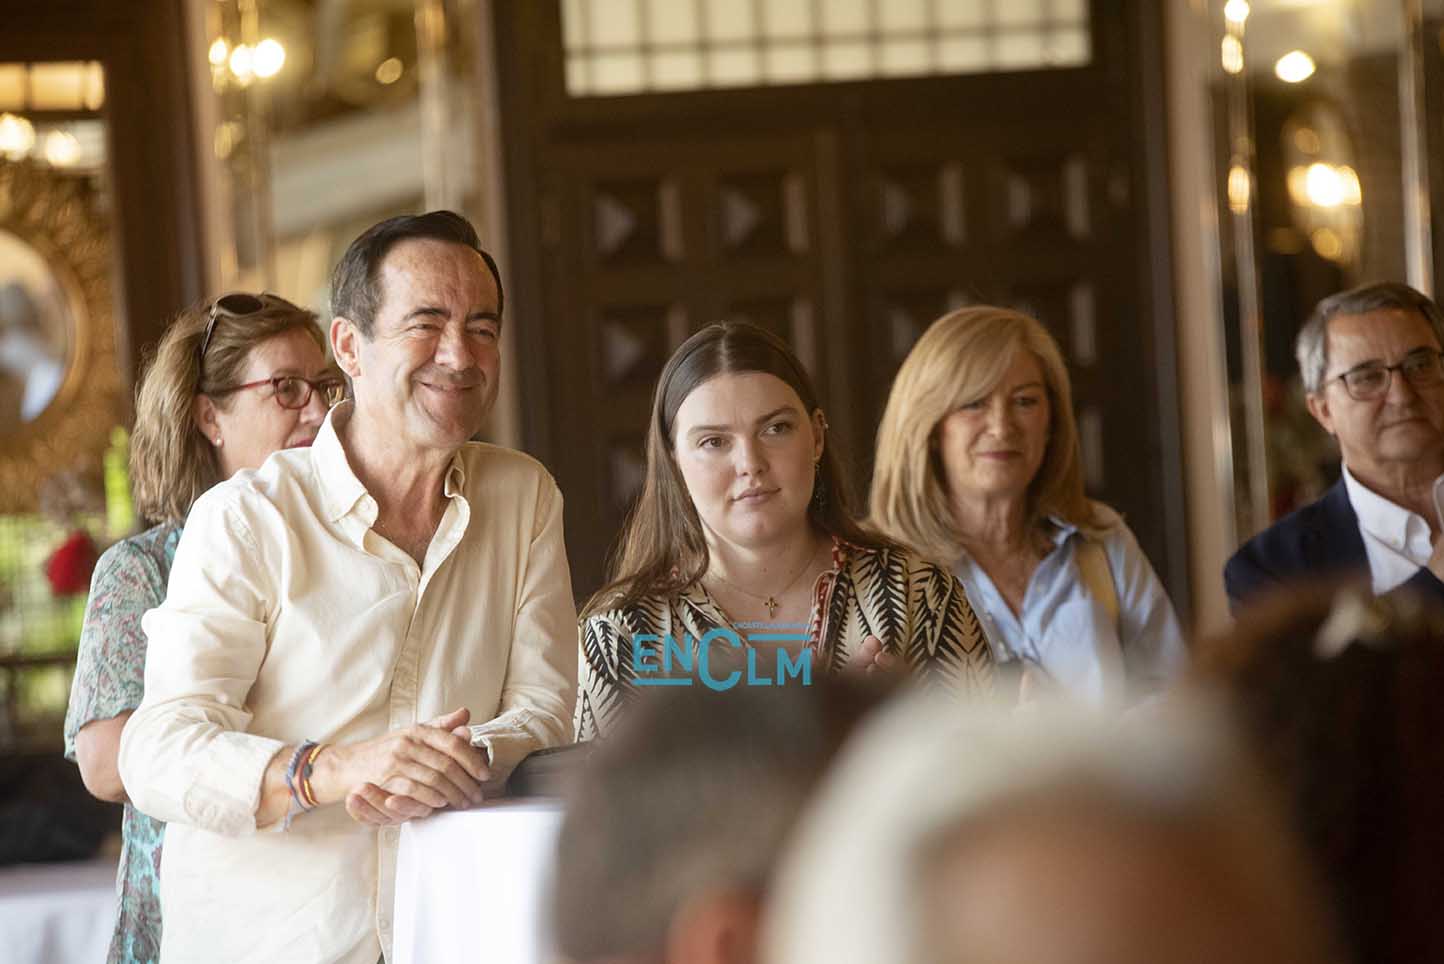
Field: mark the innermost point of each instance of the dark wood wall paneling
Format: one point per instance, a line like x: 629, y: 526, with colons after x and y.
x: 996, y: 130
x: 152, y: 146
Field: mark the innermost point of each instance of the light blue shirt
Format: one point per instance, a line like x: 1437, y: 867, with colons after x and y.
x: 1071, y: 634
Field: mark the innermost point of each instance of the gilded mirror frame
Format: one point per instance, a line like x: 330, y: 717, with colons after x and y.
x: 60, y: 216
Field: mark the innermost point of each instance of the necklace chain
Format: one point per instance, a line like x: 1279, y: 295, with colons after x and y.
x: 770, y: 600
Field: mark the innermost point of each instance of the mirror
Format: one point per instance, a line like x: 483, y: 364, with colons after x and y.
x: 36, y: 332
x: 61, y: 390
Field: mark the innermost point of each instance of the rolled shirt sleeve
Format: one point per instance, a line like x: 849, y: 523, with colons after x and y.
x: 185, y: 755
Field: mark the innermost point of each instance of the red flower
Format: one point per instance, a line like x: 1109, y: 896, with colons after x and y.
x: 69, y: 567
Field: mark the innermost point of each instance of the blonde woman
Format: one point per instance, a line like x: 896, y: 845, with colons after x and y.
x: 231, y: 382
x: 978, y: 467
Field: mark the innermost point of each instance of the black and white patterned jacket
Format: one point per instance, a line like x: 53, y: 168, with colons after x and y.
x: 918, y: 610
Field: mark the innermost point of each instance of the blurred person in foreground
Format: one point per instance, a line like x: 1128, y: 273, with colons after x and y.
x: 1052, y: 836
x: 744, y: 523
x: 979, y: 468
x: 1340, y: 696
x: 1372, y: 363
x: 383, y: 620
x: 230, y: 383
x: 672, y: 829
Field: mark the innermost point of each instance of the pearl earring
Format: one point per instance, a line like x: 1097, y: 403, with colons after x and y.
x: 219, y: 441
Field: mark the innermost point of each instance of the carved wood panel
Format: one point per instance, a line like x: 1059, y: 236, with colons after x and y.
x: 656, y: 241
x: 846, y: 217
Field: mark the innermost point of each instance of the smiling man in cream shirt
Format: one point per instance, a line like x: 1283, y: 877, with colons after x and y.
x: 358, y: 633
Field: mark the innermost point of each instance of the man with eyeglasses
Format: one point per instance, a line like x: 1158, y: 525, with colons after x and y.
x: 1373, y: 374
x: 359, y: 633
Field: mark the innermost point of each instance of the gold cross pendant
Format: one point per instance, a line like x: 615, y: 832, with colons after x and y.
x: 772, y: 605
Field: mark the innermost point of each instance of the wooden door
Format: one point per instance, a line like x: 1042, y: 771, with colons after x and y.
x: 846, y: 217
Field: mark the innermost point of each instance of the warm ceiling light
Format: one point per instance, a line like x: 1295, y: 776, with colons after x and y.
x: 1327, y: 243
x: 228, y: 137
x: 243, y: 65
x: 219, y: 52
x: 1294, y: 67
x: 1323, y: 186
x: 95, y: 87
x: 62, y: 149
x: 269, y: 58
x: 1232, y: 54
x: 1297, y: 181
x: 17, y: 136
x: 1351, y: 192
x: 1235, y: 11
x: 1238, y: 189
x: 389, y: 70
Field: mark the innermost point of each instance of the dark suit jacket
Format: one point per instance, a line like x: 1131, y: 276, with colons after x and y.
x: 1320, y: 539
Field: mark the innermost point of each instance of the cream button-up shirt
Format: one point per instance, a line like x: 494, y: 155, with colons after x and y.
x: 288, y: 618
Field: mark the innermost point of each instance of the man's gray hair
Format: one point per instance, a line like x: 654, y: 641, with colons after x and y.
x: 1312, y: 347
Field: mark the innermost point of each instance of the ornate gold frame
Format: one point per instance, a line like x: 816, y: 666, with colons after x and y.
x: 60, y: 216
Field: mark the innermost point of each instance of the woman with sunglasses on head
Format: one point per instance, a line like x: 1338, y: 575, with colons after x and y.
x: 743, y: 534
x: 230, y: 383
x: 978, y: 467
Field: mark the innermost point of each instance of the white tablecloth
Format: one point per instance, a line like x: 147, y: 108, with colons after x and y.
x: 470, y: 885
x: 57, y: 913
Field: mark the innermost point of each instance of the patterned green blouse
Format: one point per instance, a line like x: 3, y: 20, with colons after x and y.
x: 129, y: 579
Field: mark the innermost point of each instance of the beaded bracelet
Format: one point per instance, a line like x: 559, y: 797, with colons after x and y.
x: 306, y: 770
x: 299, y: 784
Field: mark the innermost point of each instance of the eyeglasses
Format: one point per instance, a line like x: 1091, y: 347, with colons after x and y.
x: 1422, y: 369
x: 293, y: 391
x: 237, y: 304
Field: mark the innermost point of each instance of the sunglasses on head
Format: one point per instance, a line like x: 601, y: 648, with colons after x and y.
x: 237, y: 304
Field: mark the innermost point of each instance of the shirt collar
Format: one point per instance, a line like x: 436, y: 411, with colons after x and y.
x: 341, y: 489
x: 1386, y: 521
x: 1062, y: 529
x: 454, y: 484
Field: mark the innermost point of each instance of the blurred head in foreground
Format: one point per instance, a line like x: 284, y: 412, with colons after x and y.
x: 952, y: 833
x: 672, y: 830
x: 1340, y: 695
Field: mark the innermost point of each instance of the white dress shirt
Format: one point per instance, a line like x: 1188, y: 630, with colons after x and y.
x: 288, y: 618
x: 1395, y: 539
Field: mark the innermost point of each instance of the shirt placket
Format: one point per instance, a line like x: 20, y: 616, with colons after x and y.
x: 405, y: 692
